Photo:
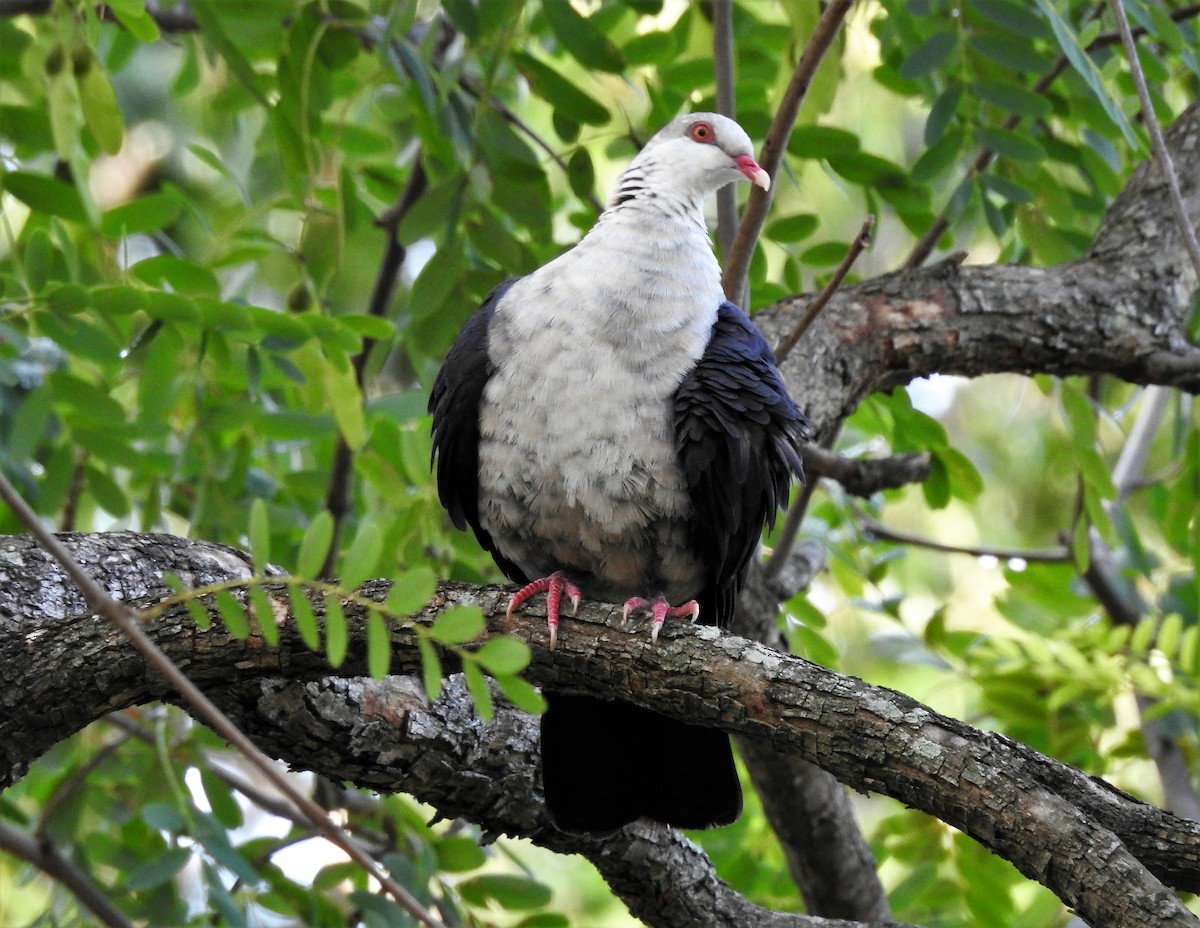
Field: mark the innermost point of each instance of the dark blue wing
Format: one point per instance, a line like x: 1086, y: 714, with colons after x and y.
x: 738, y: 435
x: 454, y: 404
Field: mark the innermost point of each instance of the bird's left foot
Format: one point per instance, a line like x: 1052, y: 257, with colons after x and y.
x: 553, y: 586
x: 659, y: 609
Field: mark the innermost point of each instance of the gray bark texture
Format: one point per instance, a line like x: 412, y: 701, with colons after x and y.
x: 1121, y: 310
x: 1103, y: 852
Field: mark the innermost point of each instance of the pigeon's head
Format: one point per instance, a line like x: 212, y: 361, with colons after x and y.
x: 702, y: 152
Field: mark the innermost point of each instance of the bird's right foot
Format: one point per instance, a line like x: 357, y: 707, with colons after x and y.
x: 553, y: 586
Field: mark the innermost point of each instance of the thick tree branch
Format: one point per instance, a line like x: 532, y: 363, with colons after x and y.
x: 1076, y: 835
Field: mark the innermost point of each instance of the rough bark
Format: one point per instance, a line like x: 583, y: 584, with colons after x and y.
x: 1103, y: 852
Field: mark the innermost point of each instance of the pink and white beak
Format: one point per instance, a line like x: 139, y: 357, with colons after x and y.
x: 748, y: 166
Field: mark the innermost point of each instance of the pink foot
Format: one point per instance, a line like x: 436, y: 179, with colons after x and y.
x: 553, y: 586
x: 659, y: 608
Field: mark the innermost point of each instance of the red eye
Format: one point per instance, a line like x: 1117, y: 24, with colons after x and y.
x: 701, y: 132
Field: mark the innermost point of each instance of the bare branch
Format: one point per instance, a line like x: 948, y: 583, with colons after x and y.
x: 1060, y: 555
x: 869, y: 737
x: 866, y: 476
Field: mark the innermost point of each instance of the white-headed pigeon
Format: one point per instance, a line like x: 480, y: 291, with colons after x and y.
x: 612, y: 425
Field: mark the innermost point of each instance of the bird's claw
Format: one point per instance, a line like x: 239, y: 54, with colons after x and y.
x: 659, y: 610
x: 553, y: 586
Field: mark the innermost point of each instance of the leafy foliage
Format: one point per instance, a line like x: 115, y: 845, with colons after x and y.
x: 202, y: 310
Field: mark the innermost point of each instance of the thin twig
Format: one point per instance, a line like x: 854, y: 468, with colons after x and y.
x: 796, y: 511
x: 737, y: 262
x: 861, y: 241
x: 1157, y: 142
x: 1060, y: 555
x: 723, y: 67
x: 126, y: 620
x: 47, y: 858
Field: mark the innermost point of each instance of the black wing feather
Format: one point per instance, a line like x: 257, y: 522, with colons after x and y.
x: 738, y: 436
x: 454, y: 404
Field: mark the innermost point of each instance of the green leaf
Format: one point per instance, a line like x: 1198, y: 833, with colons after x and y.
x: 503, y: 656
x: 180, y: 274
x: 66, y: 114
x: 458, y: 624
x: 522, y: 694
x: 511, y: 892
x: 213, y: 28
x: 462, y: 14
x: 265, y: 618
x: 45, y: 194
x: 170, y: 307
x: 944, y: 109
x: 938, y: 157
x: 559, y: 92
x: 1012, y: 98
x: 1169, y: 634
x: 373, y: 327
x: 1011, y: 143
x: 199, y: 613
x: 1095, y: 472
x: 793, y: 228
x: 458, y: 854
x: 431, y: 668
x: 1017, y: 18
x: 821, y: 142
x: 1143, y: 634
x: 411, y: 591
x: 965, y: 482
x: 361, y: 559
x: 259, y: 531
x: 436, y: 280
x: 107, y: 492
x: 586, y: 44
x: 1002, y: 186
x: 825, y: 254
x: 101, y: 114
x: 147, y: 213
x: 221, y: 799
x: 650, y: 48
x: 581, y: 174
x: 237, y: 623
x: 1083, y: 64
x: 336, y: 631
x: 477, y: 686
x: 159, y: 869
x: 1009, y: 52
x: 134, y: 17
x: 345, y: 400
x: 379, y: 646
x: 929, y: 55
x: 305, y: 618
x: 937, y: 485
x: 315, y: 545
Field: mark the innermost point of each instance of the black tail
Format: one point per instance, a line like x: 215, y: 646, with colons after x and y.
x: 605, y: 764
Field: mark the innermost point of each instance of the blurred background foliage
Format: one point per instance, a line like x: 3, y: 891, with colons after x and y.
x: 199, y: 305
